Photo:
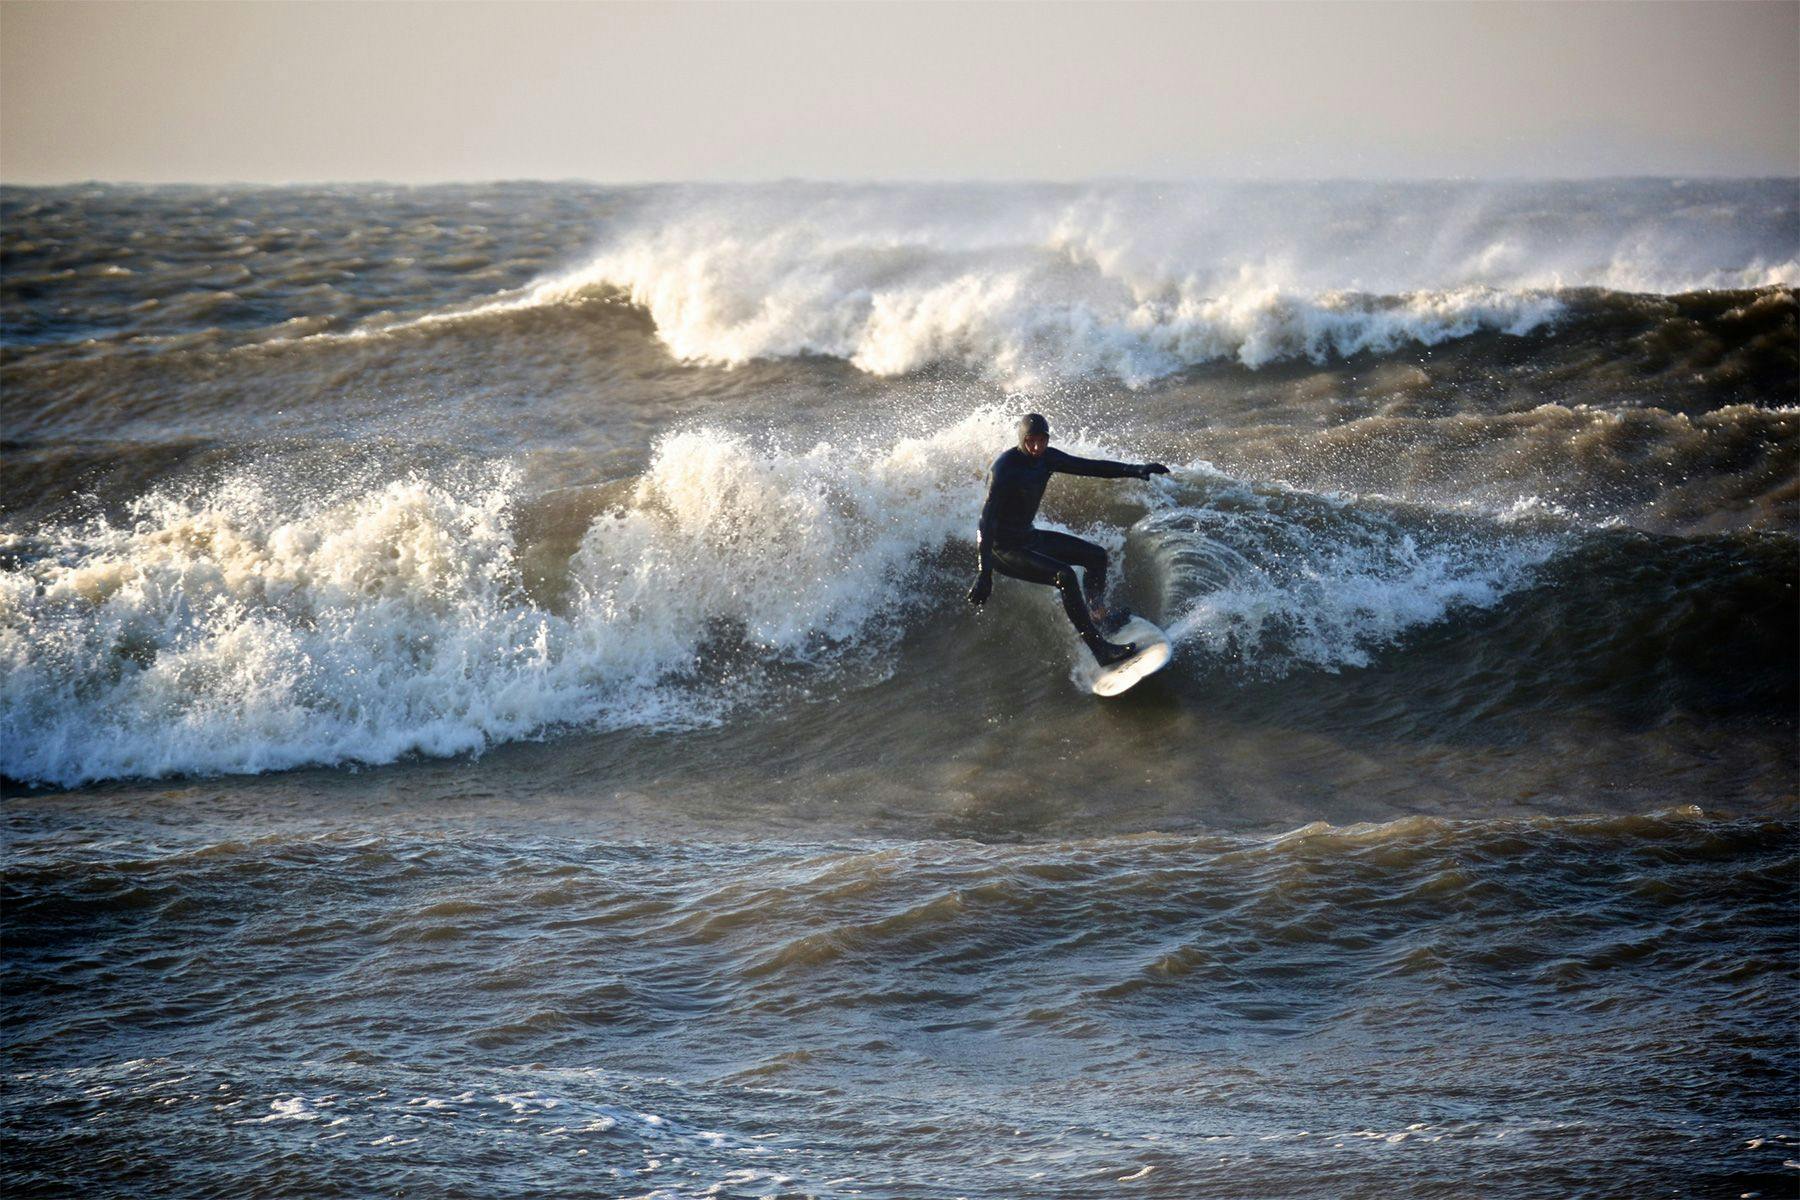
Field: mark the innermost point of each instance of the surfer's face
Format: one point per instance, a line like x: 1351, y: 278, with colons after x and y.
x: 1035, y: 444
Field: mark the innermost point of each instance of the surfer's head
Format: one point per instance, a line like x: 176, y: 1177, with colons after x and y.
x: 1034, y: 434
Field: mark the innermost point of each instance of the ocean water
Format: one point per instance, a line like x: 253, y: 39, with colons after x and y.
x: 487, y: 706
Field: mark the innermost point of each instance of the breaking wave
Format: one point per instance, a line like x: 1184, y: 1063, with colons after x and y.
x: 233, y: 628
x: 1025, y: 285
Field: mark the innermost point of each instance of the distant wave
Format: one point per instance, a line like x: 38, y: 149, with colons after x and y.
x: 1021, y: 284
x: 1136, y: 282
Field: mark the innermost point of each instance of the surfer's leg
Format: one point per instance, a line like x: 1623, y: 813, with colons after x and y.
x: 1079, y: 552
x: 1035, y: 567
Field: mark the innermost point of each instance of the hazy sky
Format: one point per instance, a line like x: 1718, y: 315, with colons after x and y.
x: 426, y: 91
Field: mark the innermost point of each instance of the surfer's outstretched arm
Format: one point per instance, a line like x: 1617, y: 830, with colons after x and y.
x: 1101, y: 468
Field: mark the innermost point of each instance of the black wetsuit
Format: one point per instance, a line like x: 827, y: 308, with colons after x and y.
x: 1015, y: 547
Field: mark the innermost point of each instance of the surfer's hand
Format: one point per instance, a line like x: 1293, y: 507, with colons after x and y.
x: 979, y: 593
x: 1149, y: 469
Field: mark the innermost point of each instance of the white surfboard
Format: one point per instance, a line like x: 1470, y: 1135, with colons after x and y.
x: 1153, y: 655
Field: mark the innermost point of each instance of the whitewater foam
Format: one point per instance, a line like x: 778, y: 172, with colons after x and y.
x: 243, y: 630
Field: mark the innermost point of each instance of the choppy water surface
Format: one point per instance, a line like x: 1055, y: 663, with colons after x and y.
x: 486, y: 705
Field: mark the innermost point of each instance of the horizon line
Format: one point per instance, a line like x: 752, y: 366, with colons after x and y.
x: 899, y: 181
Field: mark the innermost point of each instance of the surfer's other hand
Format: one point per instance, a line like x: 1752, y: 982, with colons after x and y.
x: 979, y: 593
x: 1149, y: 469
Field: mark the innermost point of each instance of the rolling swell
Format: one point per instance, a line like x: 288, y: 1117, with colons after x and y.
x: 1279, y: 983
x: 1682, y: 421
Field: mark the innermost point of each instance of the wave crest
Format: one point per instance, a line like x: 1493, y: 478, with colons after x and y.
x: 1039, y: 318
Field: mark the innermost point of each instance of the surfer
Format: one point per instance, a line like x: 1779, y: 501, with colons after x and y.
x: 1010, y: 543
